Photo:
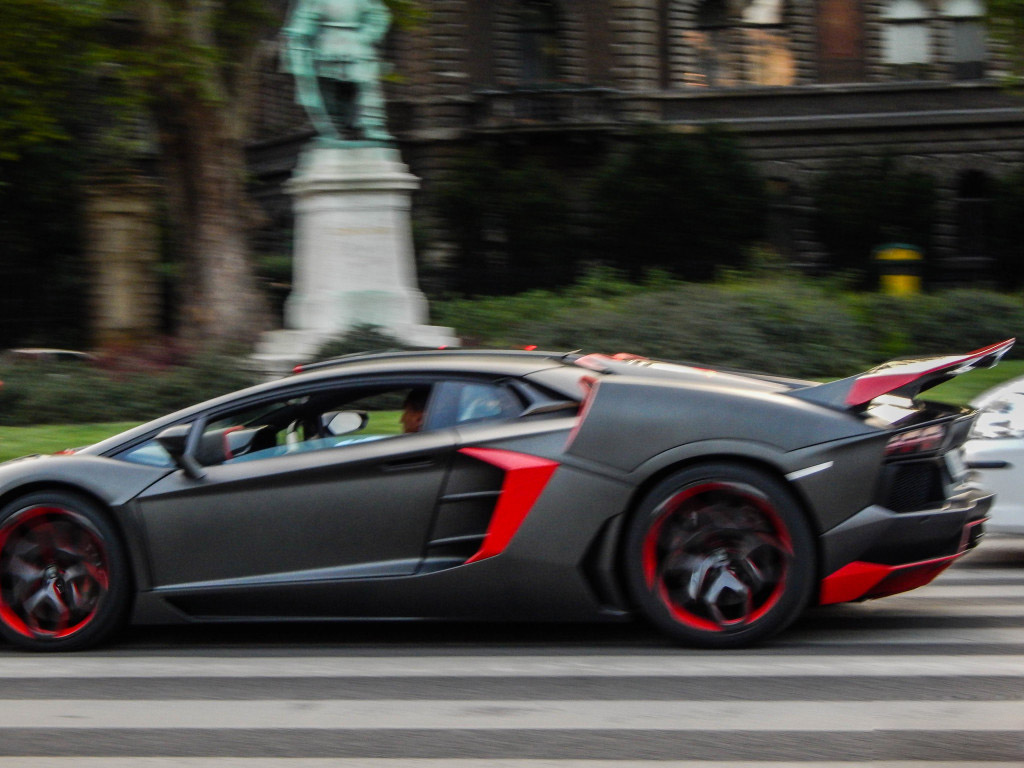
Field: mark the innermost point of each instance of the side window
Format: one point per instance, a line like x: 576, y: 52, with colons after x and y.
x: 467, y: 402
x: 316, y: 421
x: 150, y: 453
x: 486, y: 402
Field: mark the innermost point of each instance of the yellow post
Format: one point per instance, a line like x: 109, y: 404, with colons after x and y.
x: 899, y: 268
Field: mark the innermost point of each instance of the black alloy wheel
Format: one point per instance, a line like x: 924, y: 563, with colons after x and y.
x: 720, y: 556
x: 63, y: 573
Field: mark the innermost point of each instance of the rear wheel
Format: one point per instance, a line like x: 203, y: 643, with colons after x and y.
x: 720, y: 556
x: 63, y: 573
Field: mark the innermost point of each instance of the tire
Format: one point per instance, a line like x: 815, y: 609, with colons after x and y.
x: 64, y: 578
x: 720, y: 556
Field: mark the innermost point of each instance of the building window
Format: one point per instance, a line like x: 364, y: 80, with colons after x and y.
x: 840, y: 41
x: 539, y: 45
x: 906, y: 40
x: 768, y: 56
x: 711, y: 43
x: 973, y: 215
x: 968, y: 37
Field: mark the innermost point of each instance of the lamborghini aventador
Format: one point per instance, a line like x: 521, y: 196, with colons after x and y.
x: 490, y: 485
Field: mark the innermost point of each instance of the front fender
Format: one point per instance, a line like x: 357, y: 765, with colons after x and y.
x: 111, y: 481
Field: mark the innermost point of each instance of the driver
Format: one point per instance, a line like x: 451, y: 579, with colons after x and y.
x: 412, y: 410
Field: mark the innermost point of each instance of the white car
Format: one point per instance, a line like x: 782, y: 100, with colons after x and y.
x: 995, y: 451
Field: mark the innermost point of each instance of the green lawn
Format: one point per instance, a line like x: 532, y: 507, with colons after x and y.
x: 20, y: 441
x: 965, y: 388
x: 50, y: 438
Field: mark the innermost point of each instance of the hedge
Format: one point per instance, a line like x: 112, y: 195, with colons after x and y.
x: 767, y: 321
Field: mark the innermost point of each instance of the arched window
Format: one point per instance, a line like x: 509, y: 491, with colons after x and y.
x: 906, y: 42
x: 539, y: 46
x: 840, y: 41
x: 968, y: 37
x: 768, y: 55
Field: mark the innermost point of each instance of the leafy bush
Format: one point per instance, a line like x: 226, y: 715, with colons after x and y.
x: 361, y: 338
x: 39, y: 393
x: 510, y: 222
x: 780, y: 323
x: 690, y: 204
x: 785, y: 327
x: 867, y: 202
x: 953, y: 320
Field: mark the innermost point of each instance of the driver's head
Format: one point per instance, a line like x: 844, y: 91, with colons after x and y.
x: 412, y: 410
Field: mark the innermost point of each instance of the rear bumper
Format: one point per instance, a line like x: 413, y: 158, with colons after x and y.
x: 878, y: 552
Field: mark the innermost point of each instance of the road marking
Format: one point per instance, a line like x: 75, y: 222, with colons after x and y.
x: 919, y: 610
x: 298, y: 762
x: 677, y: 665
x: 499, y: 714
x: 941, y: 591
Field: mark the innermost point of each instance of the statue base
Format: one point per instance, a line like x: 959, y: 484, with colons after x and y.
x: 353, y: 260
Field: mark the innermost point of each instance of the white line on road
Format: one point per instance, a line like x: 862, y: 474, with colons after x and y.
x: 965, y: 591
x: 718, y: 716
x: 298, y: 762
x: 681, y: 665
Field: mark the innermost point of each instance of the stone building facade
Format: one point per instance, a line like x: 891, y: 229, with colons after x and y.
x: 803, y: 83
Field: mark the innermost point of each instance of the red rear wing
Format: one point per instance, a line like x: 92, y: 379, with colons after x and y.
x: 903, y: 378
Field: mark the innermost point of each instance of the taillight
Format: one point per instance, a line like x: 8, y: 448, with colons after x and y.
x: 921, y: 440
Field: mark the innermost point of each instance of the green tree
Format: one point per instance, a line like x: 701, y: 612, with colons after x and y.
x: 686, y: 203
x: 510, y: 223
x: 43, y: 48
x: 189, y: 66
x: 44, y: 51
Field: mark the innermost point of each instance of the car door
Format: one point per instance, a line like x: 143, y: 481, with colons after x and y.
x: 256, y: 532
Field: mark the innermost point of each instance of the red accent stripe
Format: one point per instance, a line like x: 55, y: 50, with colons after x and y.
x: 859, y: 580
x: 525, y: 479
x: 589, y: 386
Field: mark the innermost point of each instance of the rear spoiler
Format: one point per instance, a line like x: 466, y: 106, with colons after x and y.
x: 903, y: 378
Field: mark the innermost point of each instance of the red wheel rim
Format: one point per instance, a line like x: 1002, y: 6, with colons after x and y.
x: 717, y: 556
x: 53, y: 572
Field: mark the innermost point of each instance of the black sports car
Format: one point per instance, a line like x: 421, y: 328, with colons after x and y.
x: 525, y: 485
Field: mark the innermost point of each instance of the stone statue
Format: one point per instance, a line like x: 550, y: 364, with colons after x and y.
x: 332, y: 52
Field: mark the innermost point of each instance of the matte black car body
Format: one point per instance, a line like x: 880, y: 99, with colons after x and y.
x: 718, y: 505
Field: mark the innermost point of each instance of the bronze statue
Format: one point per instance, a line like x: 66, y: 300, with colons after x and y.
x: 332, y: 52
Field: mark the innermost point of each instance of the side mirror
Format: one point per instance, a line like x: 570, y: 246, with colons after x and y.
x: 342, y: 422
x: 174, y: 440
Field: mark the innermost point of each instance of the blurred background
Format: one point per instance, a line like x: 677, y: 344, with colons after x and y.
x: 805, y: 187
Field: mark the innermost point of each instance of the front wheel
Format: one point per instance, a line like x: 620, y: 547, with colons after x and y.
x: 63, y: 573
x: 720, y: 556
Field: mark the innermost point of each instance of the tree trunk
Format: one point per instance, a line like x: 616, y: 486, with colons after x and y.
x: 220, y: 303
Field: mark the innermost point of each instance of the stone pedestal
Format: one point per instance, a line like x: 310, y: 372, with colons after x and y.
x: 353, y: 259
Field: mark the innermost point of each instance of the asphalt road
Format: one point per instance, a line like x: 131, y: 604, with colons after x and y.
x: 930, y: 678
